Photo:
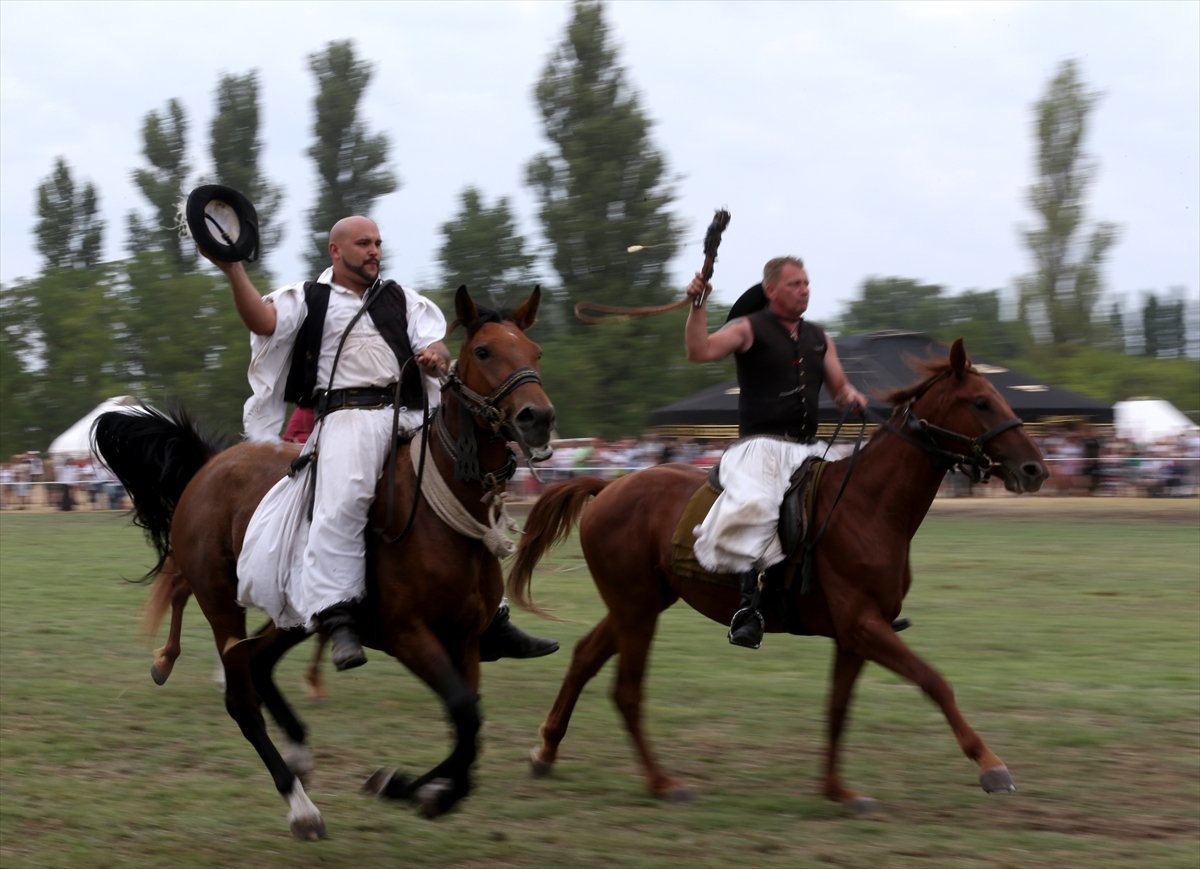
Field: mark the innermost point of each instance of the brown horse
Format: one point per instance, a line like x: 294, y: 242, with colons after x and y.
x: 431, y: 589
x: 954, y: 417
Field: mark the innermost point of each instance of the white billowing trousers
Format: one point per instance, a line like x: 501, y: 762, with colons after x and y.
x: 740, y: 532
x: 294, y: 571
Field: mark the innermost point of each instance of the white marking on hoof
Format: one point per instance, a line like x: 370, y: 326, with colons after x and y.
x: 303, y: 817
x: 538, y: 767
x: 428, y: 796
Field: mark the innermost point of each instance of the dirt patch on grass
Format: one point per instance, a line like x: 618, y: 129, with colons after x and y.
x: 1061, y: 509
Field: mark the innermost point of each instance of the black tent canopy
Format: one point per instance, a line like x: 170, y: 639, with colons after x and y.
x: 877, y: 363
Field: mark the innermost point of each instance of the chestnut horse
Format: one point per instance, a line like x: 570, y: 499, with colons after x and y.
x: 431, y: 588
x: 870, y: 506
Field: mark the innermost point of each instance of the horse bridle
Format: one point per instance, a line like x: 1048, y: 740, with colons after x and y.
x: 483, y: 408
x: 973, y: 461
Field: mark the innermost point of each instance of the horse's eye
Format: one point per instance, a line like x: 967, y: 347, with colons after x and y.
x: 481, y: 352
x: 982, y: 403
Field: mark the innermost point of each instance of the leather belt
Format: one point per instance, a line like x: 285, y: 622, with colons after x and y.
x: 361, y: 397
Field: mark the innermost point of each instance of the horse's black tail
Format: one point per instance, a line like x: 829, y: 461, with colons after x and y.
x: 154, y: 455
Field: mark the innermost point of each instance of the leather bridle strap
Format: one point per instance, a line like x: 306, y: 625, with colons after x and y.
x: 483, y: 406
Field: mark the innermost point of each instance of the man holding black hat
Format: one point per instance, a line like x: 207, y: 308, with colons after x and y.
x: 342, y: 343
x: 782, y: 363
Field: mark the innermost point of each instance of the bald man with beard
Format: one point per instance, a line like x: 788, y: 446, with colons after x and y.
x: 315, y: 579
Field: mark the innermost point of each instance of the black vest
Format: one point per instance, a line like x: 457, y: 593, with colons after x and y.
x: 387, y: 311
x: 780, y: 379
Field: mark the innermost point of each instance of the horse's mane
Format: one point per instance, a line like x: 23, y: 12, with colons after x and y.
x: 932, y: 370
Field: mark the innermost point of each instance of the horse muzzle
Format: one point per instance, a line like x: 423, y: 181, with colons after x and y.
x: 1025, y: 477
x: 533, y: 426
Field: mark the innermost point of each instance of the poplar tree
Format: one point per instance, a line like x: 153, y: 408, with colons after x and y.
x: 603, y: 187
x: 1059, y: 297
x: 165, y: 184
x: 236, y: 150
x: 69, y: 230
x: 351, y: 163
x: 482, y: 248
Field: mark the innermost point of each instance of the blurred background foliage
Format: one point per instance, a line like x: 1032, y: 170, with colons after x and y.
x: 156, y: 326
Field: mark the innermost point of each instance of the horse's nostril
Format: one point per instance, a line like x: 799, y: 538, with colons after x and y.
x: 531, y: 416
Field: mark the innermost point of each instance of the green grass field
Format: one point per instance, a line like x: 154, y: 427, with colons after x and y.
x: 1071, y: 635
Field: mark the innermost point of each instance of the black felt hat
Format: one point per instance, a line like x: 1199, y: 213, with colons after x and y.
x: 754, y: 299
x: 223, y: 223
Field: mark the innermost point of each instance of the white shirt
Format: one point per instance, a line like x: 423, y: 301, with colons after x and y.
x: 367, y: 360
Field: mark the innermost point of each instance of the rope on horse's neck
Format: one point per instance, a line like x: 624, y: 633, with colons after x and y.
x: 495, y: 535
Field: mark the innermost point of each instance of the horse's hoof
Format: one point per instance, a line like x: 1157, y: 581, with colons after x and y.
x: 538, y: 767
x: 159, y: 676
x: 378, y: 781
x: 681, y: 793
x: 429, y: 797
x: 308, y: 829
x: 862, y: 805
x: 997, y: 780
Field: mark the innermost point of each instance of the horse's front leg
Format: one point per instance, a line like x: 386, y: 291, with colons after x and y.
x: 876, y: 641
x: 846, y: 669
x: 438, y: 790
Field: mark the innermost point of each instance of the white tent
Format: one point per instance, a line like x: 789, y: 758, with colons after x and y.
x: 1146, y: 420
x: 76, y: 442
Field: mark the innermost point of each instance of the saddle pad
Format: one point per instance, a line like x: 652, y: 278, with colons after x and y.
x: 683, y: 541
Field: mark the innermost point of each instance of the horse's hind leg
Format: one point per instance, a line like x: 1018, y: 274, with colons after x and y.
x: 312, y: 674
x: 242, y: 704
x: 438, y: 790
x: 169, y: 584
x: 591, y: 653
x: 268, y: 646
x: 634, y: 650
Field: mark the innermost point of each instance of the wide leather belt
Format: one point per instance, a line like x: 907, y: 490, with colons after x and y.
x: 356, y: 397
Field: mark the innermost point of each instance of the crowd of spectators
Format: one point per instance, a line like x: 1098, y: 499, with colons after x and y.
x: 28, y: 482
x: 1082, y: 461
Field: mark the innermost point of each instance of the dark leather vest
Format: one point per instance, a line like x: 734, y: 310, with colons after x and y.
x: 780, y: 379
x: 389, y: 313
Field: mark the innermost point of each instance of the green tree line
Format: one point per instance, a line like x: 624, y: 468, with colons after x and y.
x: 155, y: 325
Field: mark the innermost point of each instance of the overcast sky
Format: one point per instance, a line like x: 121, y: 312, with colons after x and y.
x: 888, y: 139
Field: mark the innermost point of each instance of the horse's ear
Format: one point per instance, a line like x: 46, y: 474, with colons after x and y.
x: 958, y: 358
x: 464, y: 307
x: 526, y: 315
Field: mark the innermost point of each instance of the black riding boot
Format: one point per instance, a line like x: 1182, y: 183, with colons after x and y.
x: 747, y: 626
x: 339, y: 624
x: 503, y: 639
